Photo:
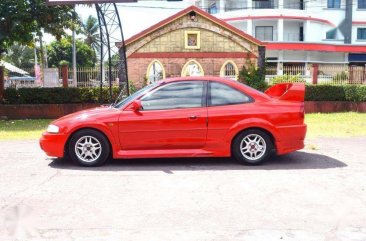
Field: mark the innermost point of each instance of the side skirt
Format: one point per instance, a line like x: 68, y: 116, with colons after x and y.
x: 163, y: 153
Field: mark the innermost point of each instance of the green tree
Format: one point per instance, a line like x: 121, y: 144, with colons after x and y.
x: 90, y: 28
x: 253, y: 76
x: 20, y: 55
x: 61, y: 51
x: 20, y: 18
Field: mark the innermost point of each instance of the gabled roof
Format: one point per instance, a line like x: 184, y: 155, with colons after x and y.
x: 199, y: 12
x: 12, y: 68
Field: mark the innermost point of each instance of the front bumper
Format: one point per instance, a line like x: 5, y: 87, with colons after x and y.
x: 53, y: 144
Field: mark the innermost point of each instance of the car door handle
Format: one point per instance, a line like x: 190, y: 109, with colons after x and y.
x: 193, y: 117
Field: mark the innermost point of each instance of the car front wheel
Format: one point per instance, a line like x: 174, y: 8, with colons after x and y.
x: 88, y: 148
x: 252, y: 147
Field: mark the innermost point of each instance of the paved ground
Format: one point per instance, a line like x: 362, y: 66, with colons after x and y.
x: 308, y: 195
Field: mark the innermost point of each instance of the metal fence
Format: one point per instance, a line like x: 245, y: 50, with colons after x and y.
x: 326, y: 74
x: 285, y: 74
x: 52, y: 77
x: 332, y: 74
x: 93, y: 77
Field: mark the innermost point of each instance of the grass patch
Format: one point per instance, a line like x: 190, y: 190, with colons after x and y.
x: 347, y: 124
x: 22, y: 129
x: 319, y: 125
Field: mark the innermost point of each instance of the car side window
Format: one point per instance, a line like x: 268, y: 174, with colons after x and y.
x: 222, y: 94
x: 187, y: 94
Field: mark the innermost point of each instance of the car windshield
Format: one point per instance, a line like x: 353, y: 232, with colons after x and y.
x: 134, y: 95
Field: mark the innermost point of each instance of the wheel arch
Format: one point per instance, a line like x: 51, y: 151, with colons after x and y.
x: 253, y: 123
x: 269, y: 133
x: 88, y: 128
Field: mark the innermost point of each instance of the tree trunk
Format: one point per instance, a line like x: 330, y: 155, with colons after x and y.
x: 42, y: 56
x: 2, y: 73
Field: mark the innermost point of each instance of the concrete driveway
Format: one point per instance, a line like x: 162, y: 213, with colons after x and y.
x: 315, y: 194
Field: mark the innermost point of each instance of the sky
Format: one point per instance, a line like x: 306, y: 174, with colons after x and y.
x: 136, y: 17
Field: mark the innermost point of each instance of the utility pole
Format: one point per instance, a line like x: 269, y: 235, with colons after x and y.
x: 74, y: 74
x: 42, y: 64
x: 36, y: 66
x: 35, y: 50
x: 45, y: 58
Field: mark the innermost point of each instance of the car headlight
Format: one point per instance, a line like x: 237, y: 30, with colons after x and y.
x: 53, y: 129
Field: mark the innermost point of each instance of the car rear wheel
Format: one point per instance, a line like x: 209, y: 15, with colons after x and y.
x: 252, y: 147
x: 88, y: 148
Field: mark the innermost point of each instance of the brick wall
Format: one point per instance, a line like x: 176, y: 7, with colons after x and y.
x: 137, y: 67
x: 218, y: 45
x: 170, y: 38
x: 174, y: 42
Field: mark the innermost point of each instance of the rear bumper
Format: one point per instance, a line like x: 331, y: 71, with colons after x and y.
x: 292, y: 139
x: 53, y: 144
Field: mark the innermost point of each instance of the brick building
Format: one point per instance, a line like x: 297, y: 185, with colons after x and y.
x: 190, y: 43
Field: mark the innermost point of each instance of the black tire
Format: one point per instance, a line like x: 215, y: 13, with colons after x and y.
x: 247, y: 157
x: 93, y: 157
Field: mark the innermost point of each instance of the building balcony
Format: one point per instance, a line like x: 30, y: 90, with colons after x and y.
x: 235, y: 5
x: 293, y: 37
x: 270, y: 4
x: 219, y: 6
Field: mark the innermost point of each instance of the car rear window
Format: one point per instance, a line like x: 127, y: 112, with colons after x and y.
x: 222, y: 94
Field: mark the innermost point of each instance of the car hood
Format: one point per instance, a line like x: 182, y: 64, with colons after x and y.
x: 95, y: 114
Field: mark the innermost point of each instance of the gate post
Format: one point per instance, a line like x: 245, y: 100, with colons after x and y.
x: 315, y: 73
x: 262, y: 59
x: 65, y: 76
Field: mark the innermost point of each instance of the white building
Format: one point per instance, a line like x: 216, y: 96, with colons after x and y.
x: 300, y: 32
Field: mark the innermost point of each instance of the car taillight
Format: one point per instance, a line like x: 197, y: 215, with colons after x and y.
x: 302, y: 110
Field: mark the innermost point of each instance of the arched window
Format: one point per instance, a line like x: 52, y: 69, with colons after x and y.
x: 229, y: 70
x: 192, y: 68
x: 155, y: 72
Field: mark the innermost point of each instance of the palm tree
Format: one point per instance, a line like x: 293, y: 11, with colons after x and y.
x: 20, y: 56
x: 91, y: 31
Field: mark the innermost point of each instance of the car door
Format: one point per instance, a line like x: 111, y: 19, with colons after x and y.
x: 173, y: 116
x: 226, y: 106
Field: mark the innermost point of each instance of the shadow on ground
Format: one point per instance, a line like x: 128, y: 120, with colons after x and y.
x: 293, y: 161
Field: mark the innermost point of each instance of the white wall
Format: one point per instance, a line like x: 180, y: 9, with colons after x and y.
x: 266, y: 23
x: 291, y: 31
x: 294, y: 56
x: 329, y: 57
x: 354, y: 35
x: 242, y: 25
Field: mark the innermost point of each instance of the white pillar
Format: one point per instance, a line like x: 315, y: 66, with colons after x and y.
x: 306, y: 30
x: 280, y: 30
x: 280, y: 4
x: 280, y: 63
x: 203, y: 5
x: 250, y: 27
x: 222, y: 6
x: 250, y: 4
x: 307, y: 64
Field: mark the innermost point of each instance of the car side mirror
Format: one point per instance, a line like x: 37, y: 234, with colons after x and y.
x: 136, y: 105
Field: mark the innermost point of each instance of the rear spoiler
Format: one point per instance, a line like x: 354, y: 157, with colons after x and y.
x: 287, y: 91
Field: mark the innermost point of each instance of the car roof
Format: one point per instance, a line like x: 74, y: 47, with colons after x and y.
x: 258, y: 95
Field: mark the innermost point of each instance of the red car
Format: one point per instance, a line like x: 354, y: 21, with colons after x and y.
x: 185, y: 117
